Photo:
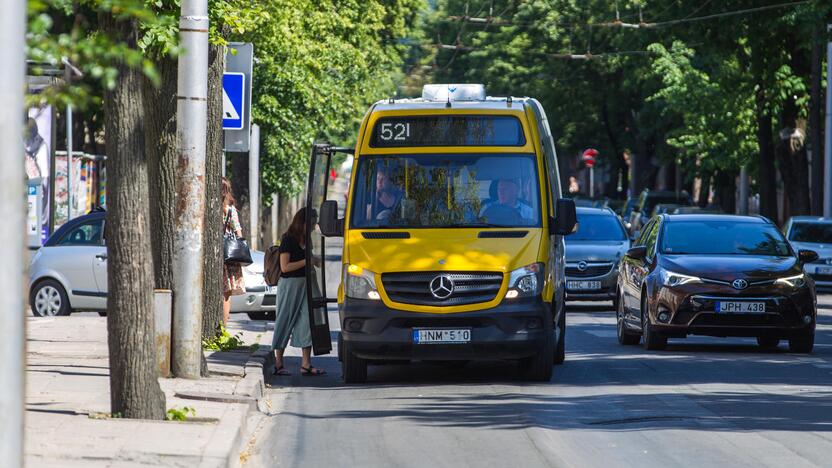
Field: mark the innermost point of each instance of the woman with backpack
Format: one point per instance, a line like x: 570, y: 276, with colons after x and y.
x: 292, y: 314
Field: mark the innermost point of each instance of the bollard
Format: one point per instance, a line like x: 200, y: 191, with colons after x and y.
x: 163, y: 305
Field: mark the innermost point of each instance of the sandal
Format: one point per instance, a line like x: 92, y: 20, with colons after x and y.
x: 312, y: 371
x: 281, y: 371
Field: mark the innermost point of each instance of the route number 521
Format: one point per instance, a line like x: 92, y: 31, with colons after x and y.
x: 395, y: 131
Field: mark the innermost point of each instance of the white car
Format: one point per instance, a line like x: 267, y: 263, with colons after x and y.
x: 69, y: 273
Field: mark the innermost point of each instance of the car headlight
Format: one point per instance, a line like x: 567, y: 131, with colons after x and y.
x: 796, y: 281
x: 671, y: 279
x: 360, y: 283
x: 526, y: 281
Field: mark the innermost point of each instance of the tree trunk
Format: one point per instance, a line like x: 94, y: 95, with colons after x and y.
x: 791, y: 156
x: 726, y: 191
x: 791, y: 144
x: 162, y: 146
x: 767, y: 179
x: 816, y: 123
x: 134, y: 388
x: 213, y: 287
x: 704, y: 191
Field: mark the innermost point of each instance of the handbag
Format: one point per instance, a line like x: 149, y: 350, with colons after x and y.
x: 235, y: 249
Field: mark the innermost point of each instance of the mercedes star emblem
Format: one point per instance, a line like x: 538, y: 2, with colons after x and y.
x: 582, y: 266
x: 442, y: 287
x: 739, y: 284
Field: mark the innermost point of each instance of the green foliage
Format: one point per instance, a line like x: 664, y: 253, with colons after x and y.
x: 177, y: 414
x: 684, y: 90
x: 62, y: 29
x: 320, y: 64
x: 223, y: 341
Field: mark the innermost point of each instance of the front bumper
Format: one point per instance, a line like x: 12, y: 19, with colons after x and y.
x: 694, y: 312
x: 820, y: 272
x: 605, y: 293
x: 511, y: 330
x: 254, y: 300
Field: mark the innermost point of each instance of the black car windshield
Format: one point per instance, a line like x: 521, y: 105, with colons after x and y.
x: 446, y: 190
x: 723, y: 237
x: 598, y: 227
x: 818, y: 233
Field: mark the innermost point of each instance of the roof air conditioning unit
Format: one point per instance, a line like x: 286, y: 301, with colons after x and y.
x: 453, y: 92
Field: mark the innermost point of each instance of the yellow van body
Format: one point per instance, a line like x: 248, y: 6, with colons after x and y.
x: 386, y: 325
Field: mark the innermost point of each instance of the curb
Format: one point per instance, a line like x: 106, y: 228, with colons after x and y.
x: 251, y: 390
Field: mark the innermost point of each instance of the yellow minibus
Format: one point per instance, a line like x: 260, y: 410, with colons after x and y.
x: 452, y: 235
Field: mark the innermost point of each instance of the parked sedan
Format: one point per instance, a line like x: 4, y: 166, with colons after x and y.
x: 593, y: 253
x: 717, y: 275
x: 813, y: 233
x: 69, y: 273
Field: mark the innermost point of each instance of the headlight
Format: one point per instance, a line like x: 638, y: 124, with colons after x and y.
x: 526, y: 281
x: 360, y: 283
x: 671, y: 279
x: 796, y: 281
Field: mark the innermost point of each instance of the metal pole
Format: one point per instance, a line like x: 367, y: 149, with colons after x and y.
x: 12, y: 234
x: 254, y: 187
x: 827, y: 160
x: 69, y: 167
x: 275, y: 214
x: 191, y: 121
x: 224, y: 164
x: 592, y: 182
x: 743, y: 190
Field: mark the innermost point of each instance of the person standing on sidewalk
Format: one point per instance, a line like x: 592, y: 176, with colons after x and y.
x: 292, y: 317
x: 232, y: 275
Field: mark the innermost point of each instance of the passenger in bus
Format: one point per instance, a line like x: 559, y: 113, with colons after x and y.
x: 507, y: 208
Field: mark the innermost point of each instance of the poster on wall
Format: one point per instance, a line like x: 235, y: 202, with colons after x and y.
x: 37, y: 146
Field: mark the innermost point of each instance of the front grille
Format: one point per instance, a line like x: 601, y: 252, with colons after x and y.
x: 821, y: 277
x: 592, y: 269
x: 414, y: 288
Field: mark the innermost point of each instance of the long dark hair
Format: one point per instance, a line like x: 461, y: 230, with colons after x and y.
x: 227, y: 195
x: 297, y: 230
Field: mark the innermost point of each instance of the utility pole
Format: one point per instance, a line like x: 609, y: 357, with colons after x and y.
x: 254, y: 187
x: 827, y: 161
x: 191, y: 122
x: 12, y: 244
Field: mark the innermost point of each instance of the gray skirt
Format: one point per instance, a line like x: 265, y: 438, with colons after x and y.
x: 292, y: 317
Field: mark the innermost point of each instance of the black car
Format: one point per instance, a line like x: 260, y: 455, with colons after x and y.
x: 716, y: 275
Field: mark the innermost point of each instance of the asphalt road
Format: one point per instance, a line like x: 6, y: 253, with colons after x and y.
x: 702, y: 402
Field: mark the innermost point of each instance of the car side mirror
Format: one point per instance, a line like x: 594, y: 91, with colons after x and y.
x: 638, y: 252
x: 329, y: 223
x: 566, y: 221
x: 807, y: 256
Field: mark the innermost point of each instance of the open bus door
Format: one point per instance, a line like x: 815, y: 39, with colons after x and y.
x: 323, y: 222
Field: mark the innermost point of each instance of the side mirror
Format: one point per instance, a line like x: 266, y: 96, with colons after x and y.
x: 807, y: 256
x: 566, y: 221
x: 329, y: 223
x: 638, y: 252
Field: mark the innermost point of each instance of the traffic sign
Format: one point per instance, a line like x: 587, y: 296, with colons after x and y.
x: 588, y: 157
x: 236, y: 99
x: 233, y: 101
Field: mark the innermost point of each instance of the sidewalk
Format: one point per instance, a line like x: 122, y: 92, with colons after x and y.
x: 67, y: 396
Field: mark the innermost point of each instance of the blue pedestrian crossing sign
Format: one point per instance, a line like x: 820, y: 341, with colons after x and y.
x: 233, y: 101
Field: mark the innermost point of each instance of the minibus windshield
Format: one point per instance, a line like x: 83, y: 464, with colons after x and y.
x: 446, y: 190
